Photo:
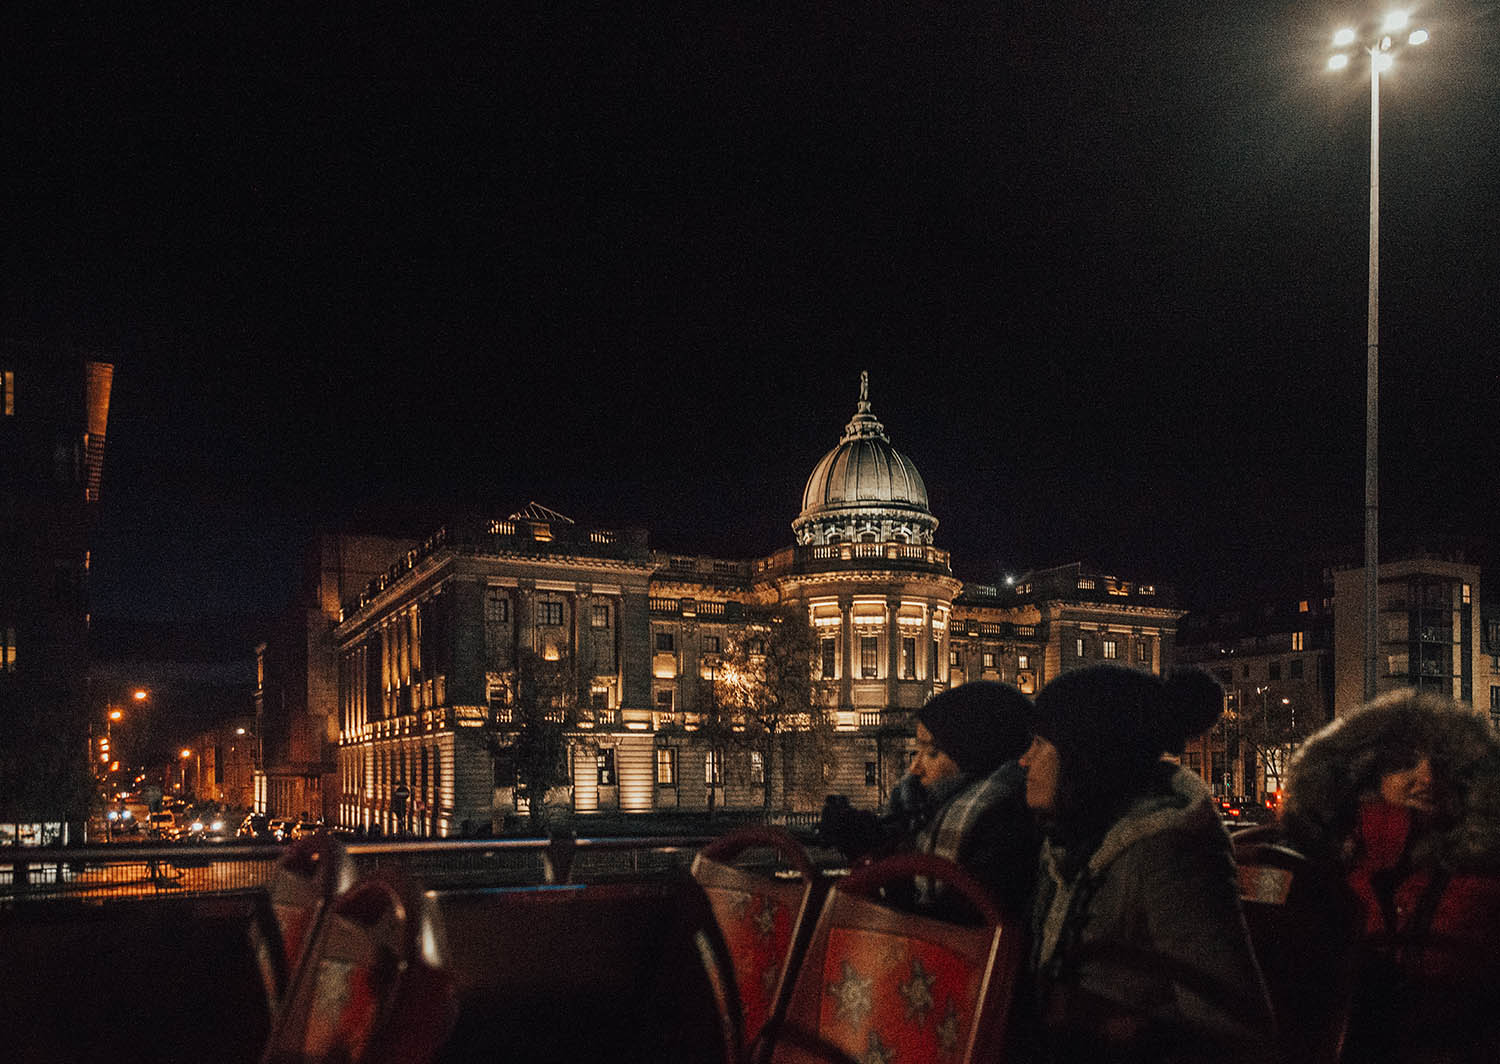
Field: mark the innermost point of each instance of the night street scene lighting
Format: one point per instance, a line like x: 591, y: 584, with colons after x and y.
x: 1381, y: 42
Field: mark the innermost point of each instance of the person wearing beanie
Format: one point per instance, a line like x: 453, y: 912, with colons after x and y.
x: 968, y: 740
x: 963, y: 798
x: 1401, y: 800
x: 1139, y: 946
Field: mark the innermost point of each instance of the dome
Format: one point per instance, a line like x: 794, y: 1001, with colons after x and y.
x: 864, y: 489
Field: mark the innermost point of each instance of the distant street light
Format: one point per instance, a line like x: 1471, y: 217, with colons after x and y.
x: 1381, y: 46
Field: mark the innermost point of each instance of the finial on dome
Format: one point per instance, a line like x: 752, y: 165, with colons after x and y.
x: 864, y: 423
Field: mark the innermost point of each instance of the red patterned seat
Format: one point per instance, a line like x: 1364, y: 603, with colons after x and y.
x: 1302, y: 927
x: 312, y: 872
x: 371, y: 986
x: 763, y: 920
x: 882, y: 985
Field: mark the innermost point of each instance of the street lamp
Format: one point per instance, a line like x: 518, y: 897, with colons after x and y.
x: 1380, y: 44
x: 184, y: 754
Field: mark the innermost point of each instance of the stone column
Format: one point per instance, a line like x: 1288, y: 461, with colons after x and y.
x: 846, y: 634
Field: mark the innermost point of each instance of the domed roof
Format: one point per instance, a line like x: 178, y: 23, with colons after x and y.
x: 864, y: 472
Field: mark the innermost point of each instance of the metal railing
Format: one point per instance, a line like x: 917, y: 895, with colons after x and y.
x: 125, y: 870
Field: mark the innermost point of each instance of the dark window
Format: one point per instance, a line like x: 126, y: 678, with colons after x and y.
x: 496, y: 608
x: 1295, y: 668
x: 908, y: 657
x: 830, y: 652
x: 599, y: 616
x: 604, y: 764
x: 665, y: 641
x: 1245, y: 671
x: 1219, y: 770
x: 1224, y: 675
x: 664, y: 700
x: 869, y: 773
x: 869, y: 655
x: 1273, y: 671
x: 218, y: 764
x: 550, y: 613
x: 710, y: 644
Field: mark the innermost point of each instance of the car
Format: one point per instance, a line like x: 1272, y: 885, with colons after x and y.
x: 161, y: 826
x: 213, y: 828
x: 256, y: 827
x: 304, y: 828
x: 280, y: 829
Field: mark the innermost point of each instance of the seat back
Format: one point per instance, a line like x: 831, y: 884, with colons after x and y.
x: 620, y: 970
x: 1302, y: 928
x: 370, y: 987
x: 878, y: 983
x: 313, y: 871
x: 764, y: 921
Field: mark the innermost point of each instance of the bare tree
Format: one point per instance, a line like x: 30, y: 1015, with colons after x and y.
x: 543, y: 697
x: 766, y: 701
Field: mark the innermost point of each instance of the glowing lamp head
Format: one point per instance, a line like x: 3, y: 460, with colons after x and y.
x: 1394, y: 21
x: 239, y: 731
x: 115, y: 714
x: 1338, y: 62
x: 184, y: 753
x: 1417, y: 37
x: 139, y: 696
x: 1343, y: 38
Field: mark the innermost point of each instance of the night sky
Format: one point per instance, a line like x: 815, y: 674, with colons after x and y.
x: 1105, y: 263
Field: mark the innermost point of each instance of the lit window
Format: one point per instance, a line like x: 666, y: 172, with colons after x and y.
x: 908, y: 658
x: 1298, y: 639
x: 757, y: 768
x: 952, y: 656
x: 1111, y: 649
x: 1302, y: 606
x: 712, y: 768
x: 1078, y: 646
x: 1143, y: 652
x: 988, y: 659
x: 604, y: 766
x: 665, y: 641
x: 599, y: 616
x: 1085, y: 583
x: 8, y: 387
x: 1023, y: 661
x: 666, y: 766
x: 869, y: 655
x: 1466, y: 595
x: 8, y: 650
x: 549, y: 613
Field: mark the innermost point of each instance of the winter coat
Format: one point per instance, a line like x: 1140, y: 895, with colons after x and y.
x: 1140, y: 950
x: 1428, y: 886
x: 987, y: 830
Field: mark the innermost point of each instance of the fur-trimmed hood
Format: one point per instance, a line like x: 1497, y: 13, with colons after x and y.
x: 1342, y: 765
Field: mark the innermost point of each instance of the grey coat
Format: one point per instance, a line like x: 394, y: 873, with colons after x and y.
x: 1143, y: 953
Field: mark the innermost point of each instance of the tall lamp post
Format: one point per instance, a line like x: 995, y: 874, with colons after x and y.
x: 1381, y: 48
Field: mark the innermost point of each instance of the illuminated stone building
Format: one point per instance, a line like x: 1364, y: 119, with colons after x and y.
x: 54, y: 409
x: 432, y: 653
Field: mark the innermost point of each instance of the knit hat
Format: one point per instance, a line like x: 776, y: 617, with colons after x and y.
x: 1111, y: 724
x: 980, y: 725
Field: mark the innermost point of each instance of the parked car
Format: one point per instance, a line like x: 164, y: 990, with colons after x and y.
x: 280, y: 829
x: 161, y: 826
x: 303, y: 828
x: 256, y: 827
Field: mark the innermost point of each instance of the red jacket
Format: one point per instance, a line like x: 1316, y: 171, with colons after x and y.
x: 1432, y: 935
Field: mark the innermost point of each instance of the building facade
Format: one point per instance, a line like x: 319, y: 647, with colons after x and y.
x: 54, y: 410
x: 434, y: 655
